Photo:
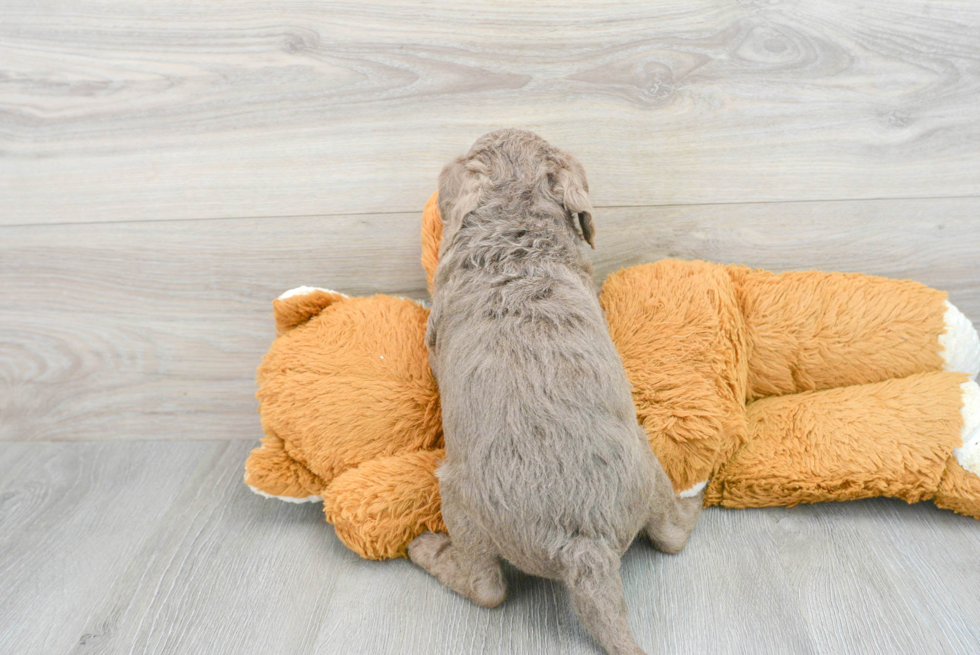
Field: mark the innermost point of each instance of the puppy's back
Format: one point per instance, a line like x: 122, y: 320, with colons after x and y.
x: 541, y: 433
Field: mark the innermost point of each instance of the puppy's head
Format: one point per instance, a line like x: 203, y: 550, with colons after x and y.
x: 519, y: 165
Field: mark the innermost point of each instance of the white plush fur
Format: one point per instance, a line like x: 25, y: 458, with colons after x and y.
x: 302, y: 291
x: 288, y: 499
x: 969, y: 455
x: 693, y: 491
x: 960, y: 344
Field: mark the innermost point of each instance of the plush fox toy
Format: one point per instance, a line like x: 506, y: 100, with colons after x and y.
x: 767, y: 389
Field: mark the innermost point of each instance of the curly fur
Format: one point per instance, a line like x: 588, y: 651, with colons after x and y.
x: 546, y: 465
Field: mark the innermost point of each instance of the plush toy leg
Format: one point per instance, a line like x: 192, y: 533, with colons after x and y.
x: 894, y: 438
x: 812, y: 330
x: 380, y: 506
x: 959, y: 489
x: 270, y: 471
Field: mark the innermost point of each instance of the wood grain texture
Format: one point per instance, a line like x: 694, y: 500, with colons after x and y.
x: 73, y: 517
x: 172, y: 110
x: 158, y: 547
x: 896, y: 603
x: 150, y: 330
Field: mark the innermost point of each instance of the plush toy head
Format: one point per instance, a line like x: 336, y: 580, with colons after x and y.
x: 769, y: 389
x: 345, y: 389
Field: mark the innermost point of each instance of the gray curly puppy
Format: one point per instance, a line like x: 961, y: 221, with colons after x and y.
x: 545, y: 464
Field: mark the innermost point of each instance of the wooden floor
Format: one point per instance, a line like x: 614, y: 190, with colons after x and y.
x: 167, y: 168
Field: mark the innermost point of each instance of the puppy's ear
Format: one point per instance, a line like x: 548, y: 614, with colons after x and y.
x: 574, y: 189
x: 460, y: 185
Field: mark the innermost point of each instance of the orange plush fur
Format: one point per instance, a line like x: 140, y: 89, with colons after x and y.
x: 773, y: 389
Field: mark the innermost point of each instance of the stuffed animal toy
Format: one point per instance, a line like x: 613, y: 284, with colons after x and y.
x: 767, y: 389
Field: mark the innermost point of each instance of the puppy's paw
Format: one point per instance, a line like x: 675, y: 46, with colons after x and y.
x: 488, y: 589
x: 426, y: 548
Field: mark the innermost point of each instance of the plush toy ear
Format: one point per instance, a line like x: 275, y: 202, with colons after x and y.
x: 573, y: 188
x: 299, y: 305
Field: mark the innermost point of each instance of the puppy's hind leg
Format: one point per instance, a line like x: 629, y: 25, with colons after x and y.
x: 591, y: 573
x: 469, y: 565
x: 672, y: 522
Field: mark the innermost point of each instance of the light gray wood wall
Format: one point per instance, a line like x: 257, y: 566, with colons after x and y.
x: 175, y: 109
x: 153, y: 329
x: 167, y: 168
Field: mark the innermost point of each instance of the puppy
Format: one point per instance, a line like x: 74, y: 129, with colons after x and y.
x: 545, y: 464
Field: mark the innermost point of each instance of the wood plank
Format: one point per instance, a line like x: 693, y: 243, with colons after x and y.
x: 73, y: 516
x: 225, y: 571
x: 93, y: 535
x: 882, y: 577
x: 150, y: 110
x: 158, y: 547
x: 154, y: 329
x: 742, y: 602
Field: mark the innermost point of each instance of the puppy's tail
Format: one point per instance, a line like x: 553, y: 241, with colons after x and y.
x: 591, y: 573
